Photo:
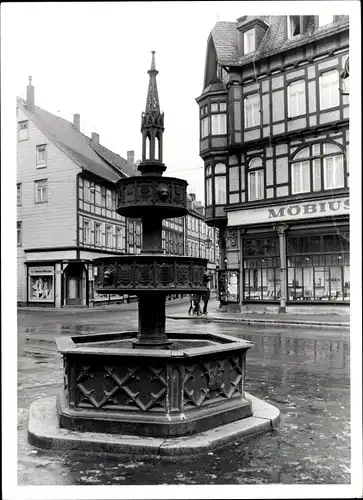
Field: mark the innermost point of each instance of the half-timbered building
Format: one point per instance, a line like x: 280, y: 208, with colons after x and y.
x: 274, y: 137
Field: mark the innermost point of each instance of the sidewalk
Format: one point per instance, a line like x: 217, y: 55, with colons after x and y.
x: 113, y: 306
x: 250, y: 318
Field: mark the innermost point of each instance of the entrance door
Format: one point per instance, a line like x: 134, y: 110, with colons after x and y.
x: 73, y: 290
x: 73, y: 284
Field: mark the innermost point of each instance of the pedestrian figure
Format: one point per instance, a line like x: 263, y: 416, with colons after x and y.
x: 194, y: 306
x: 206, y: 293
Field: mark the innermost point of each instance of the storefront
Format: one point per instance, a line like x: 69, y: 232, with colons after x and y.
x: 41, y: 285
x: 288, y: 255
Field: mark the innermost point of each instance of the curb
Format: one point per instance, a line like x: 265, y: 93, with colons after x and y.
x: 44, y: 432
x: 316, y: 324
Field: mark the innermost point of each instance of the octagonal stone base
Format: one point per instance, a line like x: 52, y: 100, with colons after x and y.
x: 194, y: 384
x: 44, y: 432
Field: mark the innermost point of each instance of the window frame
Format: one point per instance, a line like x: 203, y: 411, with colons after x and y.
x: 296, y: 95
x: 19, y: 233
x: 290, y: 26
x: 108, y: 236
x: 37, y: 184
x: 218, y: 118
x: 322, y: 95
x: 87, y: 232
x: 98, y: 231
x: 39, y: 164
x: 257, y: 172
x: 18, y: 194
x: 217, y: 176
x: 248, y: 103
x: 27, y: 129
x: 246, y: 43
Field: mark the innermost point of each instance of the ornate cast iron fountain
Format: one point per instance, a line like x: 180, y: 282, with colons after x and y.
x: 152, y: 383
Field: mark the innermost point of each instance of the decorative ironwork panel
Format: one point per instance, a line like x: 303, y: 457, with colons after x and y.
x: 210, y: 381
x: 120, y: 387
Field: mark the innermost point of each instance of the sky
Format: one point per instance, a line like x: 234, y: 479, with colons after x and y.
x: 93, y: 58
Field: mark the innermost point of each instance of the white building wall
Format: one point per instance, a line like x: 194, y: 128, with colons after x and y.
x: 53, y: 223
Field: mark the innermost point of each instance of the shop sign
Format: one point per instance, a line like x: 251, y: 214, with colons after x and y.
x: 307, y: 210
x: 41, y: 270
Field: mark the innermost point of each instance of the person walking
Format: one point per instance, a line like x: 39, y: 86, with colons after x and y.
x: 206, y: 293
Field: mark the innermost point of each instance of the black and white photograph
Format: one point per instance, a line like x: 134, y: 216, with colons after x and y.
x: 182, y: 296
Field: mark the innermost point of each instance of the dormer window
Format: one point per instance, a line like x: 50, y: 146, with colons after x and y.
x: 249, y: 41
x: 293, y: 26
x: 325, y: 19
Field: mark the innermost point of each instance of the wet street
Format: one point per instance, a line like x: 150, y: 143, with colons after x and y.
x: 304, y: 372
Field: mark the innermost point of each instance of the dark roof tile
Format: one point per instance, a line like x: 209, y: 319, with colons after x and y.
x: 99, y: 161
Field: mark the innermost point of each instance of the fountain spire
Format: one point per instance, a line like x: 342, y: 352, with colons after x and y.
x: 152, y: 128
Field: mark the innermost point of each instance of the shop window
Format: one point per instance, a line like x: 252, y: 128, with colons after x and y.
x: 296, y: 99
x: 41, y: 284
x: 19, y: 233
x: 23, y: 130
x: 220, y: 185
x: 320, y: 276
x: 41, y: 156
x: 18, y: 194
x: 329, y: 89
x: 249, y: 41
x: 252, y: 110
x: 256, y: 187
x: 98, y: 233
x: 41, y: 191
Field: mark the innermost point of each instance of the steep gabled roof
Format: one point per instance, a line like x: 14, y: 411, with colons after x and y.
x: 95, y: 159
x: 225, y: 38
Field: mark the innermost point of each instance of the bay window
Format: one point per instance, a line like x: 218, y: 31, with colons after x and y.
x: 208, y: 187
x: 218, y: 118
x: 252, y: 111
x: 220, y: 185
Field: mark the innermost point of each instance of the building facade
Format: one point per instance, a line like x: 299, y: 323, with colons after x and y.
x: 66, y: 210
x: 274, y: 137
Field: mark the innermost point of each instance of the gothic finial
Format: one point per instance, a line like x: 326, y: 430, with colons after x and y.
x: 153, y: 68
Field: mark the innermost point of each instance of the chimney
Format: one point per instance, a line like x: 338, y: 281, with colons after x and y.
x: 77, y: 122
x: 30, y: 96
x: 95, y: 138
x: 131, y: 156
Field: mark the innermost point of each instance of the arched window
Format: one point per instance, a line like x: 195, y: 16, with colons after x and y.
x: 208, y: 186
x: 321, y: 162
x: 220, y: 185
x: 256, y: 185
x: 300, y: 172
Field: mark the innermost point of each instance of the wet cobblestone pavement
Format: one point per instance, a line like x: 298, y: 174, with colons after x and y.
x: 304, y: 372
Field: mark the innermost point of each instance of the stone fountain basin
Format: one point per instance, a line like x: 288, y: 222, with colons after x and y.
x: 194, y: 384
